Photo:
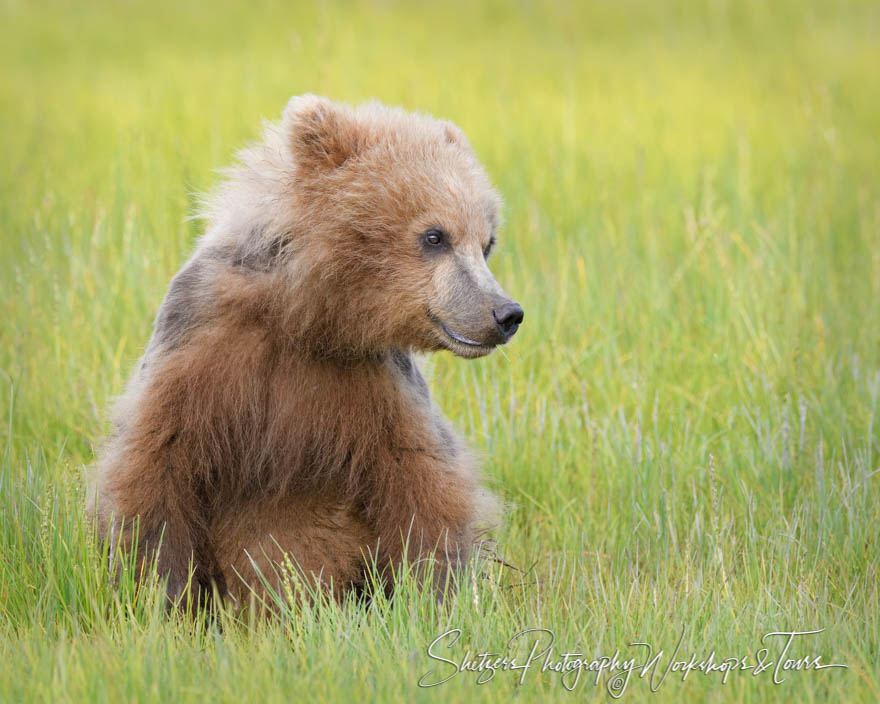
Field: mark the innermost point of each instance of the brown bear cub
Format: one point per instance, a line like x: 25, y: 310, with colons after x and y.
x: 278, y: 410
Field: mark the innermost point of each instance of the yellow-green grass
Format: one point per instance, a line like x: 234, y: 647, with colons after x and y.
x: 685, y: 427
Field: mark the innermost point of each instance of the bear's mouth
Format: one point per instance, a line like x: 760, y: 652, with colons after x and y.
x: 461, y: 345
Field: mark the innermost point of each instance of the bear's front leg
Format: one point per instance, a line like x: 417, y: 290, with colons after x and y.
x: 152, y: 515
x: 424, y: 511
x: 150, y: 499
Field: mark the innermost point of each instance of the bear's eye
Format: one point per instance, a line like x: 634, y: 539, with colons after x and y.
x: 488, y: 249
x: 434, y: 237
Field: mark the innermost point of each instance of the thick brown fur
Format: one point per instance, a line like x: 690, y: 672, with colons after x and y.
x: 278, y: 407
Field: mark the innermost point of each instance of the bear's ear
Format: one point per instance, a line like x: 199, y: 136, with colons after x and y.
x: 321, y: 133
x: 454, y: 135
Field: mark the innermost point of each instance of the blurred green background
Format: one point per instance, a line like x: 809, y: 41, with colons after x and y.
x: 685, y: 426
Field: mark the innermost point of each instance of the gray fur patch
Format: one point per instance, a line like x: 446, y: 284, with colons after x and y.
x: 447, y: 438
x: 256, y: 254
x: 405, y: 365
x: 184, y: 302
x: 180, y: 308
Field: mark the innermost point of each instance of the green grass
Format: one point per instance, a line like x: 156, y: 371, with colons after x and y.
x: 686, y: 427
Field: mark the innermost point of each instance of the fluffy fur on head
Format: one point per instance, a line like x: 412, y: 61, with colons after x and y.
x: 278, y: 408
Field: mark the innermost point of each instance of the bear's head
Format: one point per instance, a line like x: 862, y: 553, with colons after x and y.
x: 396, y: 220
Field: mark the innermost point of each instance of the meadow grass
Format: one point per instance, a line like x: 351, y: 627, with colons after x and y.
x: 686, y: 427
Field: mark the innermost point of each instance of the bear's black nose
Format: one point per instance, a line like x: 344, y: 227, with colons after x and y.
x: 507, y: 318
